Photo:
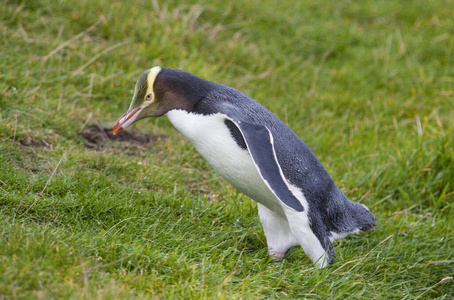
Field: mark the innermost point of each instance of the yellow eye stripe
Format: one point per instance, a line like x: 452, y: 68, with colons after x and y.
x: 150, y: 81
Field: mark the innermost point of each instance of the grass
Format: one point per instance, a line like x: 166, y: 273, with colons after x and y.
x: 369, y: 86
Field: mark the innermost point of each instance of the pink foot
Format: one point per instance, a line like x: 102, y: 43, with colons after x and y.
x: 276, y: 255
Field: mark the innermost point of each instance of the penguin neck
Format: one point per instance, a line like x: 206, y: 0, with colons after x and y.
x: 185, y: 89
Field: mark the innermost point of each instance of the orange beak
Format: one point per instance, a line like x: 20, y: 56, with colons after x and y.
x: 126, y: 119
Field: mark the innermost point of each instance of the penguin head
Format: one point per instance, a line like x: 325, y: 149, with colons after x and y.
x: 160, y: 90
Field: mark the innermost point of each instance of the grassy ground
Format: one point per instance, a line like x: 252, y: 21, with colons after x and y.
x: 368, y: 85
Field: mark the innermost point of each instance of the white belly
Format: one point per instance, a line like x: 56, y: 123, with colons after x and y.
x: 213, y: 141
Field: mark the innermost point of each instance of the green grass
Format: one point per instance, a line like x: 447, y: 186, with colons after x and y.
x: 368, y: 85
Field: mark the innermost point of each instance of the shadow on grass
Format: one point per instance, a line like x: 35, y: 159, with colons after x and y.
x: 101, y: 139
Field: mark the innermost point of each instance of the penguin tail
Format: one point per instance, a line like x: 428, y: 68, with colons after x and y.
x: 349, y: 217
x: 365, y: 220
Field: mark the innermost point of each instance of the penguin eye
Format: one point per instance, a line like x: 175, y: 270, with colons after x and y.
x: 149, y: 97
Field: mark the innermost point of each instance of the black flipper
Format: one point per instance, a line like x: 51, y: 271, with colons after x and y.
x: 260, y: 145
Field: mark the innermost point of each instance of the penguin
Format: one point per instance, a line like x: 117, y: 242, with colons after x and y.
x: 298, y: 202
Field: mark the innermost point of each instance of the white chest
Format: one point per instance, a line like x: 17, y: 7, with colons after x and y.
x: 213, y: 140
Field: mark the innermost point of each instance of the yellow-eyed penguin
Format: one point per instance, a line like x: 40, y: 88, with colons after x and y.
x: 298, y: 202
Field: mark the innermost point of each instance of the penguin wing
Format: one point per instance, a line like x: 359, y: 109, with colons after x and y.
x: 260, y: 144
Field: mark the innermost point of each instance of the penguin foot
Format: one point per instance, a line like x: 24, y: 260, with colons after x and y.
x: 276, y: 256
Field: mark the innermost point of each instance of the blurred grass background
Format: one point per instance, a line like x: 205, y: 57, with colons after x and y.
x: 368, y: 85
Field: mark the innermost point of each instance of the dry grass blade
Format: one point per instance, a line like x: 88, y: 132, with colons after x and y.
x: 63, y: 45
x: 15, y: 132
x: 365, y: 256
x: 441, y: 262
x: 362, y: 258
x: 91, y: 60
x: 444, y: 280
x: 23, y: 196
x: 122, y: 222
x: 47, y: 183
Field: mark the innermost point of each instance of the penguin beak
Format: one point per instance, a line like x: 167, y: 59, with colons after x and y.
x: 126, y: 119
